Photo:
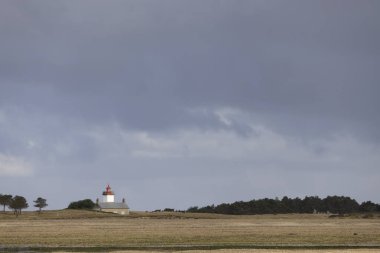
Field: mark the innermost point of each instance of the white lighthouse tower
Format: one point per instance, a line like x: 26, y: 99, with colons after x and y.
x: 108, y: 195
x: 109, y: 205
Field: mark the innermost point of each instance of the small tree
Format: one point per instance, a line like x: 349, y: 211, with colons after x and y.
x: 17, y: 203
x: 5, y: 200
x: 40, y: 203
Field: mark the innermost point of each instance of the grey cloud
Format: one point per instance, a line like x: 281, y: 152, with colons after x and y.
x: 304, y: 70
x: 314, y: 59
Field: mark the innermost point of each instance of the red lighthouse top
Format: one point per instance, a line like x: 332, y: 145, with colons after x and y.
x: 108, y: 191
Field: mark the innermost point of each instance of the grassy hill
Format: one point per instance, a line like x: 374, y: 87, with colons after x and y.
x: 90, y: 214
x: 67, y: 229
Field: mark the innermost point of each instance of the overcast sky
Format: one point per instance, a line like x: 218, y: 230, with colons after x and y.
x: 183, y: 103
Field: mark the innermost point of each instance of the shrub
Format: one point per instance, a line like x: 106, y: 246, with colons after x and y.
x: 82, y: 204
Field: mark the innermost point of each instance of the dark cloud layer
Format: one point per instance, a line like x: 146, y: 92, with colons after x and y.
x: 71, y: 71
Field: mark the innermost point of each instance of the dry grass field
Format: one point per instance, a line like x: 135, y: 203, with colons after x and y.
x: 248, y: 251
x: 175, y: 231
x: 269, y: 251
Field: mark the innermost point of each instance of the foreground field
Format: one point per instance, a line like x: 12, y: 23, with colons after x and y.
x: 269, y: 251
x: 261, y: 251
x: 176, y: 231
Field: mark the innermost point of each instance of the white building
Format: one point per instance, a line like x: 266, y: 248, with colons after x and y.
x: 109, y: 205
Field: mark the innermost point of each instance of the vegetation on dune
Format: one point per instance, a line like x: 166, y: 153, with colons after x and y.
x: 17, y: 203
x: 331, y: 204
x: 82, y: 204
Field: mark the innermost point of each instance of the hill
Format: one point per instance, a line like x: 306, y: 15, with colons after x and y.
x: 95, y: 231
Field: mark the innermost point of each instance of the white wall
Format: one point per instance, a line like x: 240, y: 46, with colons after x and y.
x: 108, y: 198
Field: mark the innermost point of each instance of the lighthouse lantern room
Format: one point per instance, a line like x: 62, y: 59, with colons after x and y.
x: 108, y: 195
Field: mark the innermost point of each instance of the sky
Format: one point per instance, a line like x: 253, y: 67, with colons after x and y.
x: 189, y: 103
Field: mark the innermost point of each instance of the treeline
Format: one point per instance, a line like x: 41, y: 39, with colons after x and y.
x: 314, y: 204
x: 17, y: 203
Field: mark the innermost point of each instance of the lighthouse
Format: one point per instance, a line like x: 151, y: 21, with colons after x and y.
x: 109, y: 205
x: 108, y: 195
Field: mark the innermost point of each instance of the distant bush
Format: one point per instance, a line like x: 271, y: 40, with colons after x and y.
x: 193, y: 209
x: 336, y: 205
x: 369, y: 206
x: 82, y: 204
x: 168, y: 210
